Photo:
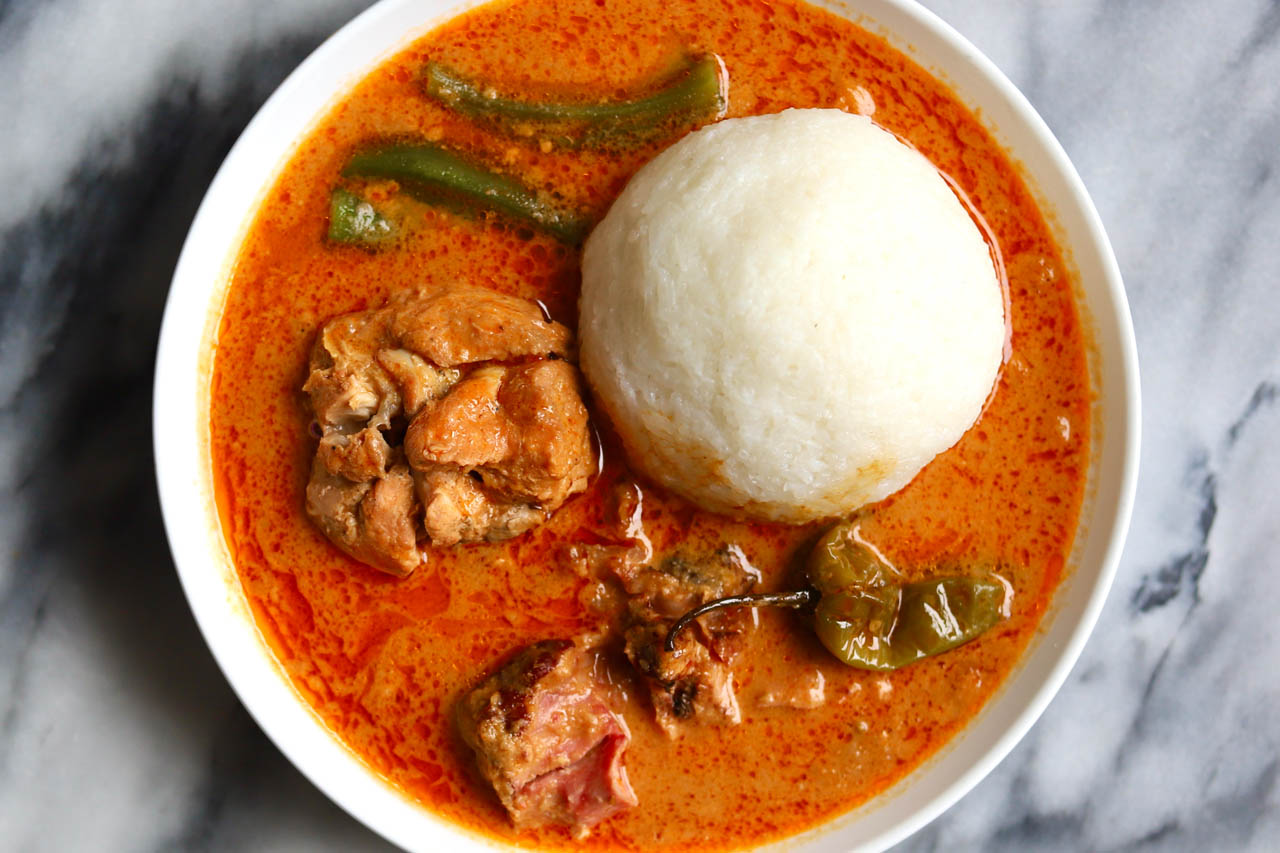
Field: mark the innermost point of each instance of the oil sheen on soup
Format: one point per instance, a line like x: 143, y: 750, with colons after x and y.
x: 383, y: 660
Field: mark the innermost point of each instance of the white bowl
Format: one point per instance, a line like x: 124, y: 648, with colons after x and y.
x: 183, y: 465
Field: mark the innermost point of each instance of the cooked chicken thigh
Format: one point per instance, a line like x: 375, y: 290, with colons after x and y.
x: 490, y: 447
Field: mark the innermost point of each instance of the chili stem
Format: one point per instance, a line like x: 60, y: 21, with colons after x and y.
x: 795, y: 599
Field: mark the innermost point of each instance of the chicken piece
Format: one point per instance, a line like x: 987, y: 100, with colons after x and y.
x: 454, y: 509
x: 333, y: 502
x: 450, y: 326
x: 466, y: 429
x: 549, y: 447
x: 594, y: 562
x: 668, y: 591
x: 457, y: 509
x: 361, y: 457
x: 626, y: 517
x: 688, y: 684
x: 349, y: 391
x: 547, y: 740
x: 519, y: 434
x: 388, y: 512
x: 355, y: 496
x: 419, y: 382
x: 370, y: 520
x: 695, y: 681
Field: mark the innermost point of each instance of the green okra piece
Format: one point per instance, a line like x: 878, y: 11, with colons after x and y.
x: 356, y: 222
x: 697, y: 92
x: 433, y: 174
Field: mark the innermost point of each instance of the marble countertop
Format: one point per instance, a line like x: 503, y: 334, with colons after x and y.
x: 117, y: 732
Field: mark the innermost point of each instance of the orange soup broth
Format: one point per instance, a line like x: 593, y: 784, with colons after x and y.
x: 382, y: 660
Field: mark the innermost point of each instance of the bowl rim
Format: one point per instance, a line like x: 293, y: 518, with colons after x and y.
x: 184, y: 475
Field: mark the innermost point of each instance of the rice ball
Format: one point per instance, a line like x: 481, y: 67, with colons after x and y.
x: 788, y: 316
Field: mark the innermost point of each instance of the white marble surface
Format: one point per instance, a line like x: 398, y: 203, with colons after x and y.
x: 118, y: 733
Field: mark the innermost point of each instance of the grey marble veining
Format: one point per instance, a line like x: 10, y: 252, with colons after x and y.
x: 118, y: 733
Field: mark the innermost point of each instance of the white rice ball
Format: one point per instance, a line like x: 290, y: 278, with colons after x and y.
x: 788, y: 316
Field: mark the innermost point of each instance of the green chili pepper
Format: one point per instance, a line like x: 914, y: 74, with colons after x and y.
x: 430, y: 172
x: 840, y: 560
x: 868, y: 619
x: 355, y: 221
x: 891, y: 626
x: 697, y: 92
